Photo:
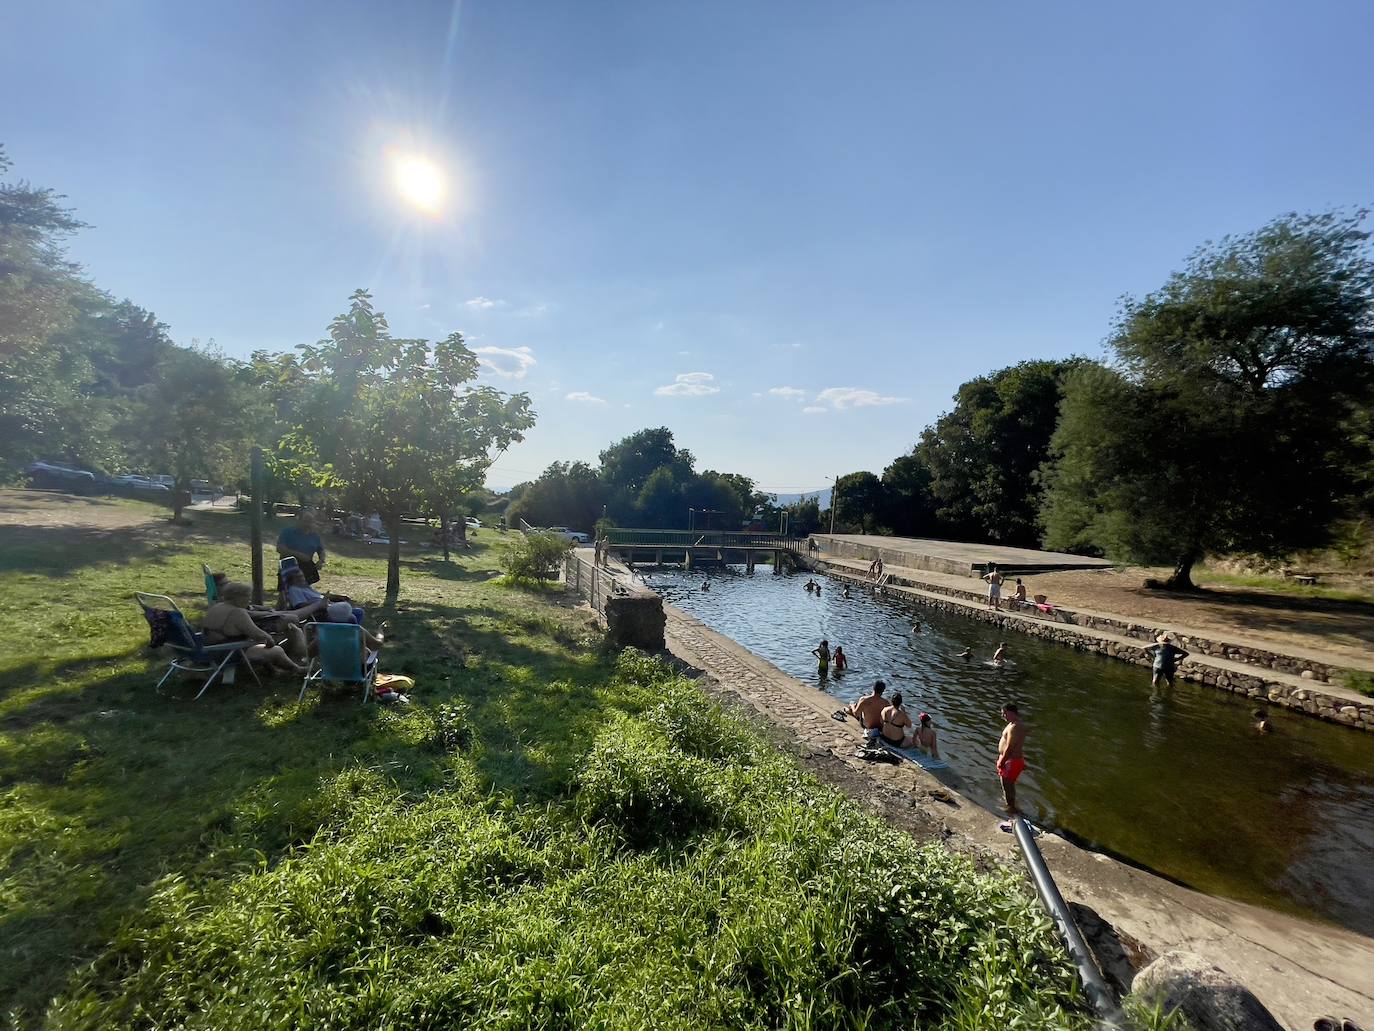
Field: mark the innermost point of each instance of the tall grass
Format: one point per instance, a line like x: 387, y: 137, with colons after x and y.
x: 550, y: 838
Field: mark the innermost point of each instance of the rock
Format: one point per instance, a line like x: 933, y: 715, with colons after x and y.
x: 1209, y: 998
x: 1307, y: 674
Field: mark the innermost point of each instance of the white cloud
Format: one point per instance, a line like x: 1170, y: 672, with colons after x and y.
x: 788, y: 393
x: 506, y: 362
x: 689, y: 384
x: 855, y: 397
x: 532, y: 311
x: 814, y: 410
x: 582, y: 395
x: 483, y: 303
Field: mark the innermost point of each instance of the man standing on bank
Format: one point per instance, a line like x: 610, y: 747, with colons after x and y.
x: 299, y: 540
x: 1010, y: 760
x: 994, y: 579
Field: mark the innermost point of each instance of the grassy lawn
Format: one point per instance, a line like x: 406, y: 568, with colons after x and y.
x: 1281, y: 585
x: 552, y: 836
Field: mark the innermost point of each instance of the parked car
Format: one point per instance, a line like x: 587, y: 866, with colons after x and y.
x: 140, y: 483
x: 473, y: 523
x: 62, y: 477
x: 570, y: 535
x: 167, y: 481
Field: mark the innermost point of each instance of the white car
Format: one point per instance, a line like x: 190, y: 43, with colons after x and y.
x: 569, y: 535
x: 473, y: 523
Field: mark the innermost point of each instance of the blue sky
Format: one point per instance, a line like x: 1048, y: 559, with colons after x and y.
x: 786, y: 231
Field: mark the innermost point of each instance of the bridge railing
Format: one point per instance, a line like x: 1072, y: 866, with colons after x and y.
x: 740, y: 539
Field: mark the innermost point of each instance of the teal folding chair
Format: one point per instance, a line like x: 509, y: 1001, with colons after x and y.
x: 340, y: 659
x: 211, y: 588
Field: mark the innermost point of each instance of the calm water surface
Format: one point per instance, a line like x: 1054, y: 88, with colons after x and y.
x: 1180, y: 784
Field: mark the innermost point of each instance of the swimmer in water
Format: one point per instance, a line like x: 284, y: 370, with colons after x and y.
x: 846, y: 591
x: 916, y: 627
x: 822, y: 654
x: 1262, y: 724
x: 999, y: 657
x: 967, y: 653
x: 706, y: 586
x: 841, y: 660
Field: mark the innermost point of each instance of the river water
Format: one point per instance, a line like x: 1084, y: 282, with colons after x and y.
x: 1178, y: 783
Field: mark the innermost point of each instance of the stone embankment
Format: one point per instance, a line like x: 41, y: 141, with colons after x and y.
x: 1290, y: 682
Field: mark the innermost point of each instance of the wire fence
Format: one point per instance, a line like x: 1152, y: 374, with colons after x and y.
x: 593, y: 582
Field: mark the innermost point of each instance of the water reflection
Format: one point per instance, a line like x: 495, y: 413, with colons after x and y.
x: 1176, y: 780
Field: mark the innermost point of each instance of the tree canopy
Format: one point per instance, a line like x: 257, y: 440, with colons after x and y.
x: 1228, y: 422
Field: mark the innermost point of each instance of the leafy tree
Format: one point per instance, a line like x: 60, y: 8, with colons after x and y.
x: 909, y: 506
x: 628, y: 463
x: 804, y: 517
x: 198, y: 419
x: 1227, y: 424
x: 983, y: 455
x: 375, y: 406
x: 660, y: 504
x: 860, y: 502
x: 566, y: 494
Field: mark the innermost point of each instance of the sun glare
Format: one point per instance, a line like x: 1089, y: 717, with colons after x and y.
x: 419, y: 182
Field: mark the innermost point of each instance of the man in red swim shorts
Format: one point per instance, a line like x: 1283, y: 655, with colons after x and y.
x: 1010, y: 761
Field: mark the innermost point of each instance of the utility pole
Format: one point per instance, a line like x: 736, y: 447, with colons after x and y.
x: 257, y: 484
x: 834, y: 497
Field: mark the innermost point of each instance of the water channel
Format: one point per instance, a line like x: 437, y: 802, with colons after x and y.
x: 1179, y: 783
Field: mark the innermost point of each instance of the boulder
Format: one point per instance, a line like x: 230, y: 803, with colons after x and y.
x: 1208, y: 997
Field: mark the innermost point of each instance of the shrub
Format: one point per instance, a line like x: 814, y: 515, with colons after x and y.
x: 535, y: 556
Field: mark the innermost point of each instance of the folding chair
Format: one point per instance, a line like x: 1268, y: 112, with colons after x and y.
x: 340, y: 659
x: 211, y: 588
x: 190, y: 653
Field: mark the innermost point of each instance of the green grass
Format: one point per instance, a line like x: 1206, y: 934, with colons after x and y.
x: 1358, y: 680
x: 550, y: 837
x: 1280, y: 585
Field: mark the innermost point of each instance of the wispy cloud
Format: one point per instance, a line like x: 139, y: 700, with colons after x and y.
x: 506, y: 362
x: 582, y: 395
x: 532, y: 311
x: 855, y: 397
x: 788, y: 393
x: 483, y: 303
x: 689, y: 384
x: 814, y: 410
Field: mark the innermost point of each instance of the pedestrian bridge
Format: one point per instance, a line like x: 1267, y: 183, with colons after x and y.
x: 714, y: 547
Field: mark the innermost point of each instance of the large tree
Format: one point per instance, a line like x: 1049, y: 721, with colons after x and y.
x: 909, y: 506
x: 983, y: 454
x: 1226, y: 424
x: 376, y: 405
x: 628, y: 463
x: 566, y: 494
x: 860, y: 502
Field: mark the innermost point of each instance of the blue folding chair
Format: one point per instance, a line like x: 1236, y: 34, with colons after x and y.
x: 211, y: 588
x: 340, y: 659
x: 190, y: 653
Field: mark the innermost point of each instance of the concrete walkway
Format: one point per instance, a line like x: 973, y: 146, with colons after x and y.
x: 1300, y: 970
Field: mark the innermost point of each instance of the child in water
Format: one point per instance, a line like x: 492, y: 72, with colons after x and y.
x: 822, y: 654
x: 841, y: 660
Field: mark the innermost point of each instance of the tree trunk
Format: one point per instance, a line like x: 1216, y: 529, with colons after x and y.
x: 443, y: 532
x: 393, y: 559
x: 1182, y: 577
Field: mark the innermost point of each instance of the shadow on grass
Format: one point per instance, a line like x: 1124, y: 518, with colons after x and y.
x: 59, y: 550
x: 114, y: 785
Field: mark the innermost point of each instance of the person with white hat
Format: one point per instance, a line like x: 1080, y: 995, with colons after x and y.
x: 1165, y: 657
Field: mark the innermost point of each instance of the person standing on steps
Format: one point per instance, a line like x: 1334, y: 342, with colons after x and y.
x: 994, y: 579
x: 1011, y: 761
x: 822, y: 654
x: 1164, y: 660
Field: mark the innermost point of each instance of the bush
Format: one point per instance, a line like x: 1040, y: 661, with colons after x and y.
x: 535, y: 556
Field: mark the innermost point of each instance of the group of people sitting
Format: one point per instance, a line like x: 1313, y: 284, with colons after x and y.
x: 281, y: 636
x: 890, y: 722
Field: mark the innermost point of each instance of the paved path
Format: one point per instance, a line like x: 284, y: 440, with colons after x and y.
x: 1300, y: 970
x: 964, y: 554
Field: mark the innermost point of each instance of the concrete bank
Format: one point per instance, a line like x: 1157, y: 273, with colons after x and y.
x: 1227, y: 667
x: 1300, y: 970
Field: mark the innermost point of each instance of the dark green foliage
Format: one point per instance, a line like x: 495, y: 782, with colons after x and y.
x: 1230, y: 425
x: 860, y: 503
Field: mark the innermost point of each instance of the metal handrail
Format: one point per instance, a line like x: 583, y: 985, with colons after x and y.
x: 1100, y: 995
x: 742, y: 539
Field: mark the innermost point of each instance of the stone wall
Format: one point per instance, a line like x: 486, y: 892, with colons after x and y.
x: 1310, y: 700
x: 636, y: 621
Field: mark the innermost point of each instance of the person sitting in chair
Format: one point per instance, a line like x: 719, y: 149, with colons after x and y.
x: 228, y: 620
x: 342, y: 612
x: 299, y: 540
x: 303, y: 600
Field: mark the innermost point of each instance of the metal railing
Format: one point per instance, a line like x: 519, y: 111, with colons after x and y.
x: 593, y: 582
x: 735, y: 539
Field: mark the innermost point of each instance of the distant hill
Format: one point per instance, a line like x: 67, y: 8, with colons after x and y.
x: 822, y: 496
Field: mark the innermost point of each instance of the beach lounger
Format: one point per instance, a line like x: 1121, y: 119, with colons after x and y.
x: 190, y: 653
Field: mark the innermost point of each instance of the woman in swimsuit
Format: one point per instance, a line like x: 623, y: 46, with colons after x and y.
x: 822, y: 657
x: 228, y: 620
x: 841, y: 660
x: 896, y: 728
x: 925, y: 736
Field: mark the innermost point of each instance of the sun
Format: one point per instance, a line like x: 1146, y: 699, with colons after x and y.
x: 419, y: 182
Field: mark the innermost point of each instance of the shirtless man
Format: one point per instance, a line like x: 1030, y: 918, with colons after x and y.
x: 999, y: 657
x: 1010, y: 761
x: 994, y: 579
x: 868, y: 710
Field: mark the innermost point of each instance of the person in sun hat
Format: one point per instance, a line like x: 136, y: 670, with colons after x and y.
x: 1164, y: 659
x: 925, y: 736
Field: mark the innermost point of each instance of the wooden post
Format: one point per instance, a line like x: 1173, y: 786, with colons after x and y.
x: 257, y: 484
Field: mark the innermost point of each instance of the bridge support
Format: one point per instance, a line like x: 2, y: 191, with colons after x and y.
x: 687, y: 559
x: 658, y: 557
x: 749, y: 562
